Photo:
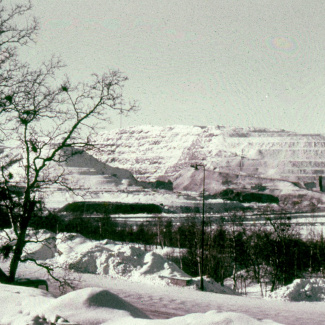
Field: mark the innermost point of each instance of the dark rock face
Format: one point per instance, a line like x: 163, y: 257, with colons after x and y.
x: 248, y: 197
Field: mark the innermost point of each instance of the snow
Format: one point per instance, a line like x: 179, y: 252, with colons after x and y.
x: 19, y: 304
x: 120, y: 283
x: 153, y: 152
x: 119, y: 260
x: 56, y: 199
x: 234, y: 158
x: 209, y: 318
x: 114, y: 259
x: 91, y: 306
x: 301, y: 290
x: 94, y: 306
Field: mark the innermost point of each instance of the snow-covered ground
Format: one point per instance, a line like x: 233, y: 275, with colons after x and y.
x: 90, y: 306
x: 74, y: 252
x: 117, y: 301
x: 301, y: 290
x: 120, y: 283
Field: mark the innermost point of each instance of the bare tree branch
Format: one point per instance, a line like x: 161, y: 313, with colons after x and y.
x: 48, y: 118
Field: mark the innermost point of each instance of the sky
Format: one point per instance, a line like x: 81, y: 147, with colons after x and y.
x: 248, y: 63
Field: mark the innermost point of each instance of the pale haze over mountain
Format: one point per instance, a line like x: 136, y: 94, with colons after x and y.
x: 234, y: 63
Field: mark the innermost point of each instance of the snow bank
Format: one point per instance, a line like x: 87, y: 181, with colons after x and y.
x: 19, y: 305
x: 91, y: 306
x: 212, y: 286
x: 77, y: 253
x: 124, y: 261
x: 210, y: 318
x: 110, y: 258
x: 94, y: 306
x: 301, y: 290
x: 127, y: 261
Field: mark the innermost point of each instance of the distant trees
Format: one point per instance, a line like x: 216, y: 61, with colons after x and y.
x: 49, y: 119
x: 270, y: 252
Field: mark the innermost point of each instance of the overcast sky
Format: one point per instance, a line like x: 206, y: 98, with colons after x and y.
x: 198, y: 62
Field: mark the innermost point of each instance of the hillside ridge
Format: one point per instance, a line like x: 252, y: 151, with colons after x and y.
x: 152, y: 152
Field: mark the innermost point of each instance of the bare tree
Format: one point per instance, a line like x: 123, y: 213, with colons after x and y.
x: 14, y: 32
x: 48, y: 121
x: 236, y: 232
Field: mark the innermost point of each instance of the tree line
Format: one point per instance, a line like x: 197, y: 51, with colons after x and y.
x: 271, y: 252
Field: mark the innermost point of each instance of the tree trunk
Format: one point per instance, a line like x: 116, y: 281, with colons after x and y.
x: 18, y: 251
x: 21, y: 239
x: 234, y: 277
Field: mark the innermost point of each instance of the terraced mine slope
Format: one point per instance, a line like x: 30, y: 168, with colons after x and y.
x: 152, y: 153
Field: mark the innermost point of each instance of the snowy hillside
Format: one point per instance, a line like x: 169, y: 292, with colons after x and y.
x: 152, y: 152
x: 81, y: 170
x: 131, y: 163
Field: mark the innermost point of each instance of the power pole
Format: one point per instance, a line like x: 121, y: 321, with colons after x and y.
x: 202, y: 229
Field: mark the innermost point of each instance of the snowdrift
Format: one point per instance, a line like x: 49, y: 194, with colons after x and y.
x: 79, y: 254
x: 128, y: 261
x: 301, y: 290
x: 94, y: 306
x: 91, y: 306
x: 110, y: 258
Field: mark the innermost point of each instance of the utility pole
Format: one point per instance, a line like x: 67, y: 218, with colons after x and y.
x: 202, y: 229
x: 241, y: 160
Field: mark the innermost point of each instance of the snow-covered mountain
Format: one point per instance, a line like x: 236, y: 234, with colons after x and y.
x: 152, y: 152
x: 131, y: 164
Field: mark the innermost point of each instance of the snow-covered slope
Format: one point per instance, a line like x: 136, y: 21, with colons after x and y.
x: 95, y: 306
x: 152, y: 152
x: 241, y: 159
x: 87, y: 176
x: 110, y: 299
x: 81, y: 169
x: 267, y: 189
